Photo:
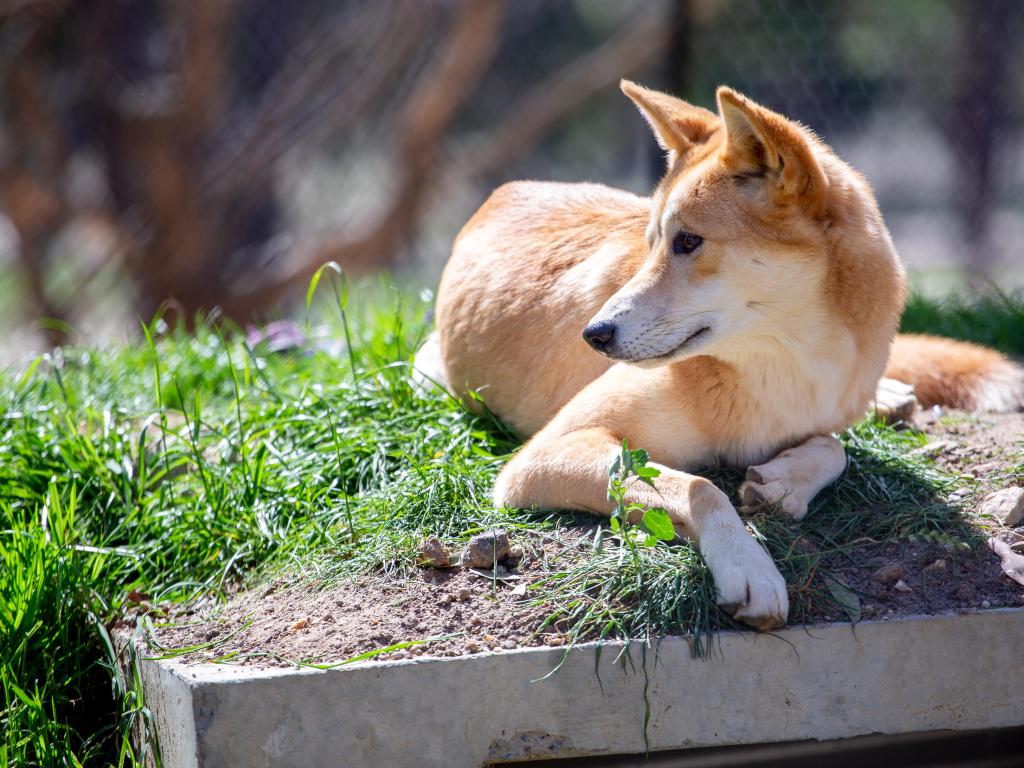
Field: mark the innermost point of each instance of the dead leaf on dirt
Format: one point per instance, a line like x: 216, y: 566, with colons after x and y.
x: 135, y: 596
x: 300, y: 624
x: 500, y: 575
x: 845, y: 596
x: 1013, y: 564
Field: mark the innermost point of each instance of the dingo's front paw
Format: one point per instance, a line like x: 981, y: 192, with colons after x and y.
x: 795, y: 476
x: 749, y: 585
x: 895, y: 401
x: 760, y: 489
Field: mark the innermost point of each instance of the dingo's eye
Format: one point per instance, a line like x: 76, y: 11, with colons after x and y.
x: 686, y: 243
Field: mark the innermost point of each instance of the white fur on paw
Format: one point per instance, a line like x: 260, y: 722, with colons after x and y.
x: 794, y: 477
x: 747, y: 581
x: 775, y: 493
x: 894, y: 400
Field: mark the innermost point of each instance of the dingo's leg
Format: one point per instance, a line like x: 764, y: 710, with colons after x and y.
x: 570, y: 471
x: 795, y: 476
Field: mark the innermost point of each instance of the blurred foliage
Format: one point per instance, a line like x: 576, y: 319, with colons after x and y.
x: 214, y: 154
x: 995, y: 320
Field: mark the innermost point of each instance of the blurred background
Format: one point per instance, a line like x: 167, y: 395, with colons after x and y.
x: 200, y: 154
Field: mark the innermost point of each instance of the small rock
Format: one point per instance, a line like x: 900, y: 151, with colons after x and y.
x: 445, y: 599
x: 983, y: 469
x: 902, y: 586
x: 554, y: 640
x: 939, y: 566
x: 515, y: 553
x: 959, y: 493
x: 888, y: 573
x: 1007, y: 505
x: 484, y: 549
x: 509, y: 645
x: 933, y: 448
x: 300, y: 624
x: 985, y: 604
x: 472, y: 646
x: 464, y: 594
x: 434, y: 554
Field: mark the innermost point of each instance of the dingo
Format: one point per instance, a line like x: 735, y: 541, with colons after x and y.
x: 745, y: 311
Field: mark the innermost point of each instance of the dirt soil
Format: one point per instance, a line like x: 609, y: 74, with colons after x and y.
x: 471, y: 613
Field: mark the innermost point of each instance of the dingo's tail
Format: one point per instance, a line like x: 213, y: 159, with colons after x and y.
x: 428, y: 366
x: 956, y: 374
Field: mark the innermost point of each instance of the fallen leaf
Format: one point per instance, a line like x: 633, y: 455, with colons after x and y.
x: 500, y: 575
x: 1013, y: 564
x: 845, y: 596
x: 300, y: 624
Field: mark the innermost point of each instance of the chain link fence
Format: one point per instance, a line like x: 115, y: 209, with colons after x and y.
x: 213, y: 153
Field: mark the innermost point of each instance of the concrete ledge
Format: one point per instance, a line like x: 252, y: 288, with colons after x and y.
x: 824, y: 682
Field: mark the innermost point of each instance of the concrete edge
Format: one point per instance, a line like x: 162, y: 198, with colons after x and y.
x: 169, y: 696
x: 206, y: 672
x: 922, y: 673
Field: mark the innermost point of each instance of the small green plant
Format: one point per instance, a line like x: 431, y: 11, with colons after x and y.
x: 629, y: 468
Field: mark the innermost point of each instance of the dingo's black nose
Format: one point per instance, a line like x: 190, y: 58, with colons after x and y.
x: 599, y: 335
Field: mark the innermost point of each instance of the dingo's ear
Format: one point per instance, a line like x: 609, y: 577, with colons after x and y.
x: 762, y: 144
x: 677, y: 125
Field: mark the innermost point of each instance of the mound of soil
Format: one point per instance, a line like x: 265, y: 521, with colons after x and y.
x: 468, y: 614
x: 465, y: 612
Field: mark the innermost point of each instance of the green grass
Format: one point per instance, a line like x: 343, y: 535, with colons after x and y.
x: 188, y: 465
x: 995, y: 320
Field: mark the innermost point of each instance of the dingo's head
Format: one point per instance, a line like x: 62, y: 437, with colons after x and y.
x: 739, y: 233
